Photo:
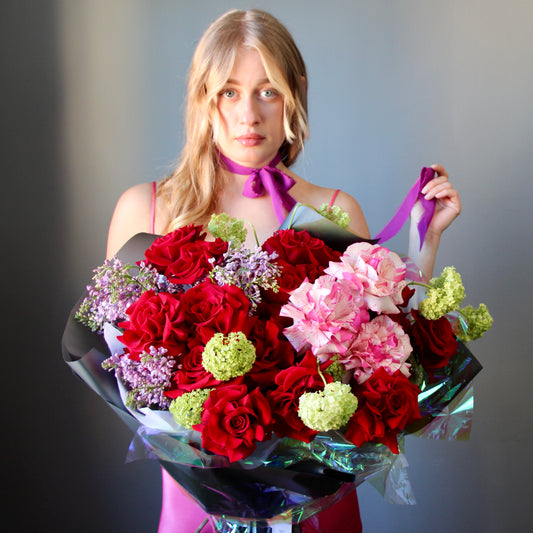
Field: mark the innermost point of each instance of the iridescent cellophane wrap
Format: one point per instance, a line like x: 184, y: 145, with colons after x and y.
x: 284, y: 480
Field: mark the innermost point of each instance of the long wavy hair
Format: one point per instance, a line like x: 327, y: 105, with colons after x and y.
x: 191, y: 191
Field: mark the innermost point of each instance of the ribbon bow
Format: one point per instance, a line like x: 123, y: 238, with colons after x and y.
x: 267, y: 179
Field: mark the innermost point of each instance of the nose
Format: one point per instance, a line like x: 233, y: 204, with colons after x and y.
x: 249, y: 110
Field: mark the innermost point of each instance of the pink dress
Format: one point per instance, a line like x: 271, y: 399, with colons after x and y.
x: 181, y: 514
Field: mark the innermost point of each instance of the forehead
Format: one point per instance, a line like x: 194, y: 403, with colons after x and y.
x: 248, y: 64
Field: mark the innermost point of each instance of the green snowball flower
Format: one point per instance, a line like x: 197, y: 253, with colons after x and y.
x: 336, y: 370
x: 228, y: 357
x: 335, y: 214
x: 444, y: 295
x: 329, y: 409
x: 478, y: 321
x: 187, y: 409
x: 228, y: 229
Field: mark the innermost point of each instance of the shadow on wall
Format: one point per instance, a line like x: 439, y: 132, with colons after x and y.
x: 53, y: 419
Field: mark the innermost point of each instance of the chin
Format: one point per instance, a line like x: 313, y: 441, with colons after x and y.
x: 254, y: 156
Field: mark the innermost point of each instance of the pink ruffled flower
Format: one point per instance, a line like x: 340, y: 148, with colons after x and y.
x: 375, y: 271
x: 327, y: 315
x: 381, y: 343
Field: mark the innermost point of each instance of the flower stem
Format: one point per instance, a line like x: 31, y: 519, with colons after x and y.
x: 320, y: 372
x: 297, y: 207
x: 425, y: 285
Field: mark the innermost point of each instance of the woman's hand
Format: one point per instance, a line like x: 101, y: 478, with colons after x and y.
x: 447, y: 205
x: 447, y: 209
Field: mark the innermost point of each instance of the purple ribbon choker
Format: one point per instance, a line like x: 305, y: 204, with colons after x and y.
x: 267, y: 179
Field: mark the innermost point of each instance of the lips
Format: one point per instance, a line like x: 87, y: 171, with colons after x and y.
x: 250, y: 139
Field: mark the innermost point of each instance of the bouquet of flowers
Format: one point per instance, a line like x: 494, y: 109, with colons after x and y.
x: 292, y: 354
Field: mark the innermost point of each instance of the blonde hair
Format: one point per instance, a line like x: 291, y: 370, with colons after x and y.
x: 190, y: 192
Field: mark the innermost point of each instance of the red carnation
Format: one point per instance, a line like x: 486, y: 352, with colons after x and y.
x: 300, y: 248
x: 273, y: 351
x: 291, y: 384
x: 434, y: 342
x: 386, y: 405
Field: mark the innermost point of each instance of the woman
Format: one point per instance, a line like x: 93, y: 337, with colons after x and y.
x: 247, y: 103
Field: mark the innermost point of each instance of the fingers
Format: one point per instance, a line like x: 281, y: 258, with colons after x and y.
x: 441, y: 189
x: 440, y: 170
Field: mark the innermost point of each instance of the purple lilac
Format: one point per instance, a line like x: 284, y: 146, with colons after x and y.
x: 146, y: 380
x: 115, y: 287
x: 249, y: 270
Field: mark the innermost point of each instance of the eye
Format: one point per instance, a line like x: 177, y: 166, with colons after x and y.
x: 268, y: 93
x: 228, y: 93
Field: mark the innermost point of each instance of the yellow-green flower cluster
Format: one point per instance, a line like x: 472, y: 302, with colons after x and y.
x: 336, y: 370
x: 335, y: 214
x: 228, y: 229
x: 444, y: 295
x: 329, y: 409
x: 478, y: 322
x: 187, y: 409
x: 228, y: 357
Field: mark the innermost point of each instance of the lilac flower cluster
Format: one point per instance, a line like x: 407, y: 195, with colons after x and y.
x: 249, y: 270
x: 146, y: 379
x: 115, y: 287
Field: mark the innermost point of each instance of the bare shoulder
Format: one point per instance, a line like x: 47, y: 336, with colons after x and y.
x: 132, y: 215
x: 314, y: 195
x: 358, y: 222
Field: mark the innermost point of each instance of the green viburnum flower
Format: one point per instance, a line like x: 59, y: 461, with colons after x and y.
x: 444, y: 295
x: 228, y: 357
x: 228, y: 229
x: 335, y: 214
x: 331, y: 408
x: 336, y: 370
x: 478, y: 322
x: 187, y: 409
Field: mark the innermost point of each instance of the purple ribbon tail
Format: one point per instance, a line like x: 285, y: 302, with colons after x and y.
x: 398, y: 220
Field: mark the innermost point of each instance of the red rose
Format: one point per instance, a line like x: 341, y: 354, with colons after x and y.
x: 386, y: 405
x: 434, y: 342
x: 191, y: 374
x: 154, y: 320
x: 183, y: 255
x: 300, y: 248
x: 234, y: 420
x: 273, y: 351
x: 291, y: 384
x: 211, y: 308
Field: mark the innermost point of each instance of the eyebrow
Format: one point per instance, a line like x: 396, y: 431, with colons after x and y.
x: 260, y: 82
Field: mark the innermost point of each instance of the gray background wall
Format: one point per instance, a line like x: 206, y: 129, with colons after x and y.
x: 91, y: 104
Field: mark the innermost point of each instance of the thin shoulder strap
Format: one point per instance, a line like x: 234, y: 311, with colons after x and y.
x: 333, y: 198
x: 152, y: 222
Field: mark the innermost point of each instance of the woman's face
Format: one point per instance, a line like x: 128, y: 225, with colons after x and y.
x: 251, y: 129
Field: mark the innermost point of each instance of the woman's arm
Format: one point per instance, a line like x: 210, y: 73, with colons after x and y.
x: 132, y: 215
x: 447, y: 208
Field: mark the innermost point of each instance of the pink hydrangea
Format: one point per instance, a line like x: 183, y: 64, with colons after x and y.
x: 327, y: 315
x: 375, y: 271
x: 379, y: 343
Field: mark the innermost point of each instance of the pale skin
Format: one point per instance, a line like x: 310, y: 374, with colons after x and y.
x: 250, y: 133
